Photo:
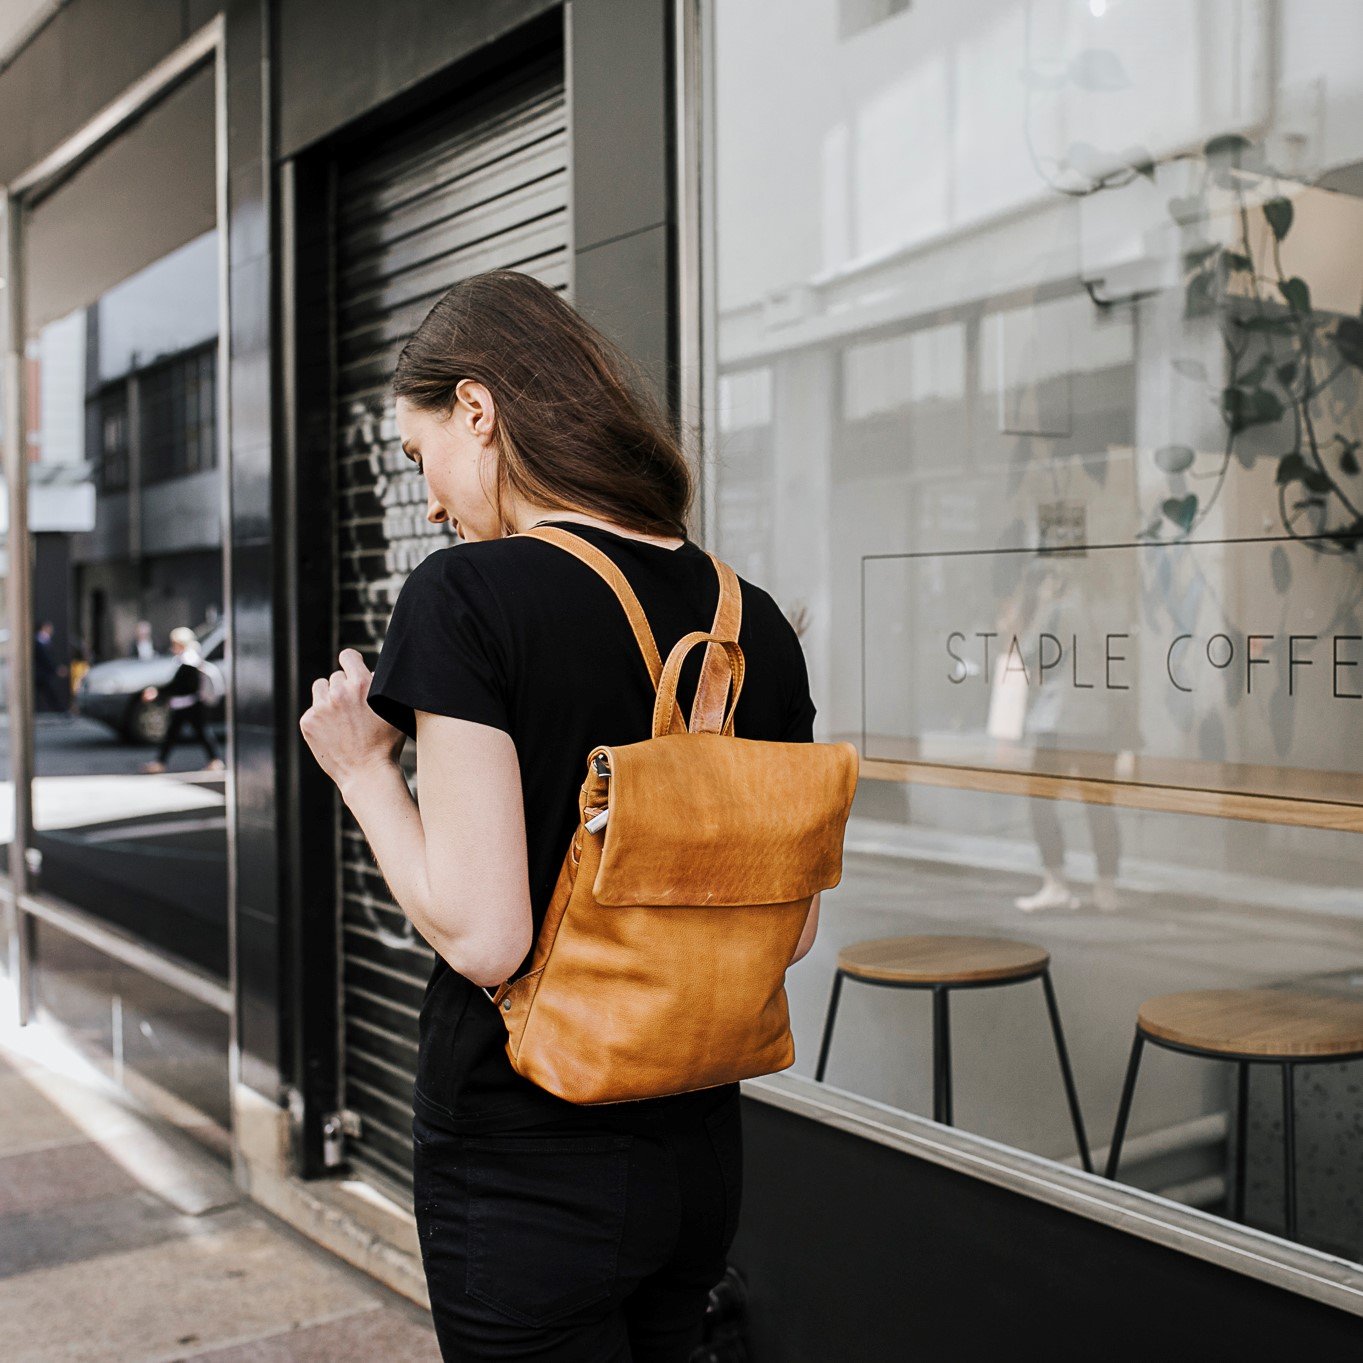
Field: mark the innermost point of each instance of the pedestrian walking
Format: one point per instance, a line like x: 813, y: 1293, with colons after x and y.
x: 548, y: 1229
x: 187, y: 694
x: 50, y: 688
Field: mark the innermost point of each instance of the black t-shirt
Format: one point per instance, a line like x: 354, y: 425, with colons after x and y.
x: 519, y: 634
x: 185, y: 682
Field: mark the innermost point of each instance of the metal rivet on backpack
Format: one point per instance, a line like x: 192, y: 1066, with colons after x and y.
x: 506, y: 1005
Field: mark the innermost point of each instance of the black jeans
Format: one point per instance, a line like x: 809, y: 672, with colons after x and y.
x: 194, y: 716
x: 578, y: 1242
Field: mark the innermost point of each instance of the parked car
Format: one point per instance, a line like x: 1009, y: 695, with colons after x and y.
x: 112, y: 691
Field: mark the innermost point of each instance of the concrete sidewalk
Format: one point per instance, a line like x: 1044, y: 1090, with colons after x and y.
x: 123, y: 1240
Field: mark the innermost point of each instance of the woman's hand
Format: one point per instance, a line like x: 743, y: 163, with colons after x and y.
x: 345, y: 735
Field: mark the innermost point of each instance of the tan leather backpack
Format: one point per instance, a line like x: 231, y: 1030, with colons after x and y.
x: 660, y: 965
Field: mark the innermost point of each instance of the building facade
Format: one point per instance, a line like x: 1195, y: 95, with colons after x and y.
x: 1021, y: 347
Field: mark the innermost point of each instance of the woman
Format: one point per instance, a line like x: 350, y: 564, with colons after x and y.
x: 548, y: 1231
x: 184, y: 698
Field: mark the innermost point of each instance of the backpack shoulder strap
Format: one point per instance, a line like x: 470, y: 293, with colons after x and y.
x: 712, y: 689
x: 616, y: 580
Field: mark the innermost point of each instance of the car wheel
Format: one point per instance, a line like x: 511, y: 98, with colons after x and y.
x: 148, y: 722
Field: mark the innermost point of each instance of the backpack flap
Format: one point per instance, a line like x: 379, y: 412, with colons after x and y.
x: 705, y: 818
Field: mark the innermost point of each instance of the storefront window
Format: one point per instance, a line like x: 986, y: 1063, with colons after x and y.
x: 131, y: 668
x: 1039, y: 372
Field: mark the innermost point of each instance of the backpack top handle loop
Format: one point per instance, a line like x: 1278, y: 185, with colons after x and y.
x: 707, y: 709
x: 667, y: 687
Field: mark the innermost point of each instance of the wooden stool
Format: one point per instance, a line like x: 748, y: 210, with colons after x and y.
x: 1249, y: 1026
x: 943, y: 964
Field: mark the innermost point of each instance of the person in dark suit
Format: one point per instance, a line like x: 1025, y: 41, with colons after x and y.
x: 50, y: 691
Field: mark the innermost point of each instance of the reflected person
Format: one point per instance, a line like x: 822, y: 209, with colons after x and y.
x: 50, y: 691
x: 1070, y: 727
x: 143, y: 645
x: 185, y: 694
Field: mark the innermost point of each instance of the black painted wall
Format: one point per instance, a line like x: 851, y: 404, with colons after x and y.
x: 855, y: 1251
x: 259, y: 541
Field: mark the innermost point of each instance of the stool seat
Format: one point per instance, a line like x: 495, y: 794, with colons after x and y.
x: 941, y: 960
x: 1278, y: 1024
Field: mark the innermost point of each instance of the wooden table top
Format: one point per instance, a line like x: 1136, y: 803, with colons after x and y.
x: 1277, y: 1023
x: 941, y: 960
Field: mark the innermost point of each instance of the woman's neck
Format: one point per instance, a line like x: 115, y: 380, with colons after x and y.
x: 668, y: 543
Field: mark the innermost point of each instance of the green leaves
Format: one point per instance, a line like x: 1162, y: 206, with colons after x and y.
x: 1174, y: 458
x: 1181, y: 510
x: 1227, y: 147
x: 1255, y: 374
x: 1273, y: 326
x: 1298, y: 294
x: 1279, y: 215
x: 1229, y: 154
x: 1349, y: 341
x: 1245, y: 407
x: 1200, y: 296
x: 1293, y: 468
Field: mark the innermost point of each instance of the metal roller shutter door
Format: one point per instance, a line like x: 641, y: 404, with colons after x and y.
x: 485, y: 191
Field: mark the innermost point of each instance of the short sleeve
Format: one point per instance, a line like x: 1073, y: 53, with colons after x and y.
x: 800, y: 711
x: 443, y: 652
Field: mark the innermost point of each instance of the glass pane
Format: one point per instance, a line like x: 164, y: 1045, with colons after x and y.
x: 126, y: 519
x: 6, y: 771
x: 1038, y: 387
x: 170, y: 1051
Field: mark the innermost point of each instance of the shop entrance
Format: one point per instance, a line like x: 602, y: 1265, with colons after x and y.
x: 480, y: 188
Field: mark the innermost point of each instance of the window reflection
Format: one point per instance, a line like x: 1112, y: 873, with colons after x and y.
x: 130, y: 660
x: 1039, y: 381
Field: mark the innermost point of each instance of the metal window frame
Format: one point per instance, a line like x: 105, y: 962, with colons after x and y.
x: 25, y: 907
x: 1257, y: 1254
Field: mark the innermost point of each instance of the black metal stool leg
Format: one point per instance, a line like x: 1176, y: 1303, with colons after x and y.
x: 1114, y: 1154
x: 1070, y: 1092
x: 1237, y: 1210
x: 1289, y: 1153
x: 941, y: 1057
x: 828, y: 1027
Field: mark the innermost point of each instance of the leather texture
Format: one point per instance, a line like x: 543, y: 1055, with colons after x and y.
x: 660, y: 965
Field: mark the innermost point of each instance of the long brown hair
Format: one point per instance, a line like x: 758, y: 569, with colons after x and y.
x: 577, y: 426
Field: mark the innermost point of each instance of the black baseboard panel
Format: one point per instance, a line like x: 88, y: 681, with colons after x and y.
x: 854, y: 1251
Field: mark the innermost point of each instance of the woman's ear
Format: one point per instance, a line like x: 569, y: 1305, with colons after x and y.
x: 475, y: 404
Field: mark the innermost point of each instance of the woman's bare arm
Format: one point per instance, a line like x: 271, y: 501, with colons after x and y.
x: 455, y: 862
